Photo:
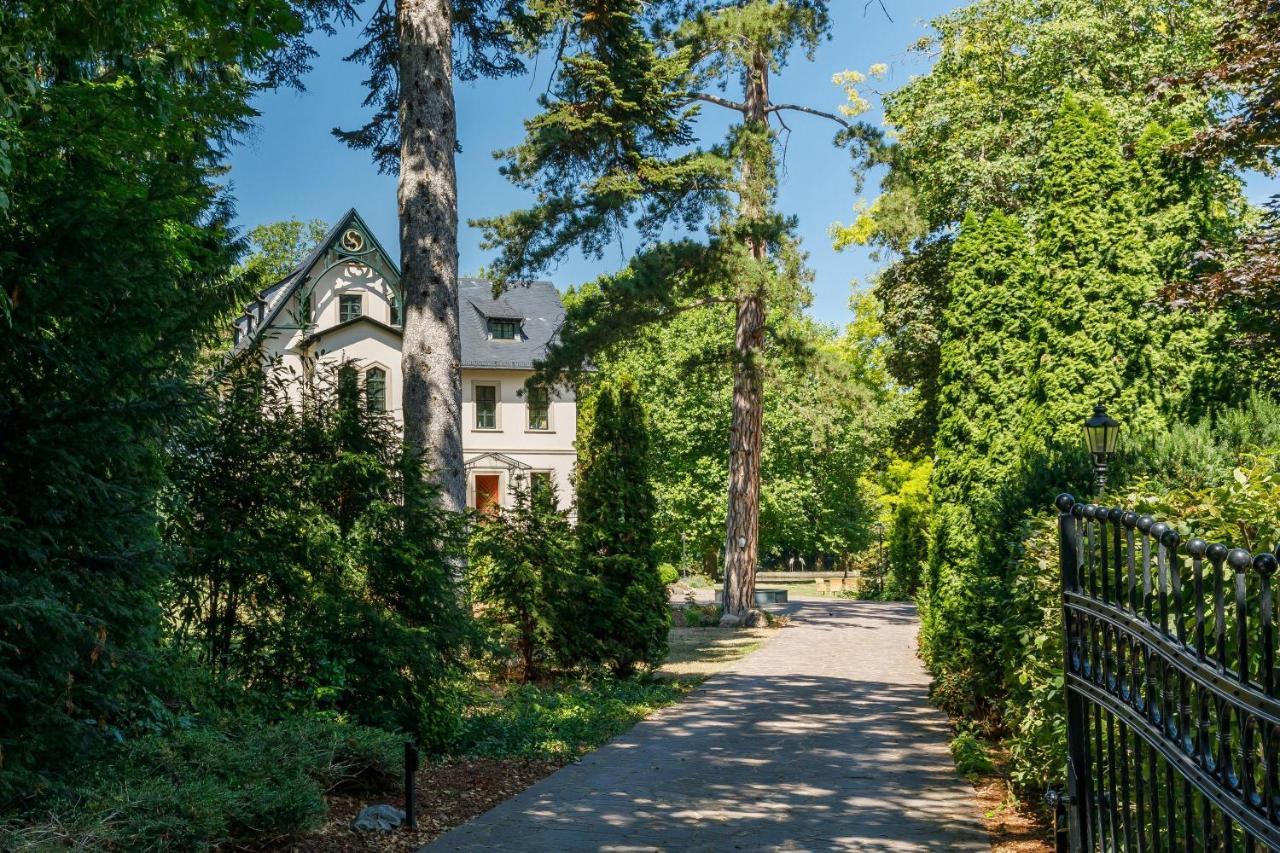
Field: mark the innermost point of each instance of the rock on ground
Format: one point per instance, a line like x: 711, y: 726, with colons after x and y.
x: 378, y: 819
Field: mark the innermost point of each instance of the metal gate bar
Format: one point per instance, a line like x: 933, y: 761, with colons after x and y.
x: 1173, y: 712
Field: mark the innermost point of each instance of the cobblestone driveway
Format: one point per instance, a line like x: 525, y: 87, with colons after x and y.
x: 822, y: 740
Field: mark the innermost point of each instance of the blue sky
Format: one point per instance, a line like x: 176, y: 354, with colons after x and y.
x: 291, y: 166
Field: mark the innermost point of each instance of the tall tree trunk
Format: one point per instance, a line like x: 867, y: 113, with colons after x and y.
x: 428, y: 197
x: 742, y: 526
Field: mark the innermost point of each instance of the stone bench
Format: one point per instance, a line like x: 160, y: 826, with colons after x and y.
x: 763, y: 596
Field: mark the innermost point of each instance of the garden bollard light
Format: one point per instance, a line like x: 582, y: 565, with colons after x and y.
x: 410, y: 784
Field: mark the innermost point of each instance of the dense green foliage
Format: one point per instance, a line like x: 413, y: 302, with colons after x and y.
x: 310, y: 562
x: 114, y: 254
x: 1041, y: 323
x: 519, y: 558
x: 907, y: 507
x: 816, y: 441
x: 615, y: 603
x: 1217, y: 479
x: 970, y: 137
x: 197, y: 788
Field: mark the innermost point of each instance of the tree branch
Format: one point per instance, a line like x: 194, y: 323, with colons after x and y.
x: 718, y: 101
x: 773, y: 108
x: 882, y: 9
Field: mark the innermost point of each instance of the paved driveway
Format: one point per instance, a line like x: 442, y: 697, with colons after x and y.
x: 822, y: 740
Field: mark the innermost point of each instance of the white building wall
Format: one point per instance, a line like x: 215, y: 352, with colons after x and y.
x: 367, y: 345
x: 552, y: 450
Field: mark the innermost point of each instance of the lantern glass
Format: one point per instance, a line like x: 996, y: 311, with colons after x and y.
x: 1101, y: 432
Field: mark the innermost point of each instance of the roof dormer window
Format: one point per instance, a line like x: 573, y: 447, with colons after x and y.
x: 504, y: 329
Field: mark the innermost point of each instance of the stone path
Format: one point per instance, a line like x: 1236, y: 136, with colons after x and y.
x: 824, y: 739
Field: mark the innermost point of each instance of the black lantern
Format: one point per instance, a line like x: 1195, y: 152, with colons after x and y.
x: 1101, y: 432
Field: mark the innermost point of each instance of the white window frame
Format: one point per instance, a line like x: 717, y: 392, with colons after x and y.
x: 551, y: 420
x: 497, y: 405
x: 350, y: 295
x: 386, y: 388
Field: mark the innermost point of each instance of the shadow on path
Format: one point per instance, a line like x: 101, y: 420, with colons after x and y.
x: 822, y: 740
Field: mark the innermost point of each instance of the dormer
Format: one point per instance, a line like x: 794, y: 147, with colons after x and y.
x: 502, y: 321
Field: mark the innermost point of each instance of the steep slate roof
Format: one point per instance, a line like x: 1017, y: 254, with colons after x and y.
x: 536, y: 304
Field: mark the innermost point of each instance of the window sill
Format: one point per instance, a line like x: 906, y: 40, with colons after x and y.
x: 486, y: 429
x: 541, y: 431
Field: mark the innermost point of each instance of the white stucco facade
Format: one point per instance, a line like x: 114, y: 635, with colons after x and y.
x: 299, y: 326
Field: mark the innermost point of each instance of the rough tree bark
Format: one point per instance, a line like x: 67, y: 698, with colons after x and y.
x: 428, y: 194
x: 742, y: 526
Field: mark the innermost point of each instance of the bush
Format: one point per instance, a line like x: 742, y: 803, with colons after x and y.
x: 615, y: 608
x: 244, y: 781
x: 668, y: 573
x: 517, y: 556
x: 970, y: 756
x: 311, y: 561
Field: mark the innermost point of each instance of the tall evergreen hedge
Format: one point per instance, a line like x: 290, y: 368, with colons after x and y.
x: 1049, y: 312
x: 618, y: 614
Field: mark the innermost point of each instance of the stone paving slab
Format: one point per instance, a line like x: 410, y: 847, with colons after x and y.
x: 823, y: 739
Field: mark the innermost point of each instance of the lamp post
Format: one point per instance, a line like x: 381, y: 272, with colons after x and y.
x: 1100, y: 434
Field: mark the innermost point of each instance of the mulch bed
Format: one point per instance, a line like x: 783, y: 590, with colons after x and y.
x: 450, y: 793
x: 1012, y: 827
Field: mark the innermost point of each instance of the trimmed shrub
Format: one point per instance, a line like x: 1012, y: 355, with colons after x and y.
x: 615, y: 610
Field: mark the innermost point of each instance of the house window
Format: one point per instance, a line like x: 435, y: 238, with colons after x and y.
x: 394, y: 305
x: 304, y: 310
x: 375, y: 389
x: 486, y: 407
x: 504, y: 330
x: 350, y: 306
x: 539, y: 409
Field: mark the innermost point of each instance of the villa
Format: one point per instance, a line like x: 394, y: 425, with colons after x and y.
x: 342, y: 304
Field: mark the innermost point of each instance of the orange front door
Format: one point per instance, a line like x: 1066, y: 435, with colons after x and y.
x: 487, y: 493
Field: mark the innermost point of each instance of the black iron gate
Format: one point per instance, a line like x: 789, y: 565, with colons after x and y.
x: 1173, y: 700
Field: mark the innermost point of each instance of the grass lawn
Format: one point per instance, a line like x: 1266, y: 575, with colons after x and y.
x: 702, y: 652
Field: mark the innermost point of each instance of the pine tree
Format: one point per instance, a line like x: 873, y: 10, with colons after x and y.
x: 414, y: 51
x: 115, y: 247
x: 623, y: 618
x: 612, y: 150
x: 517, y: 558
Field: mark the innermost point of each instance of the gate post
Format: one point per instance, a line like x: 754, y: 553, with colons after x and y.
x: 1077, y: 793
